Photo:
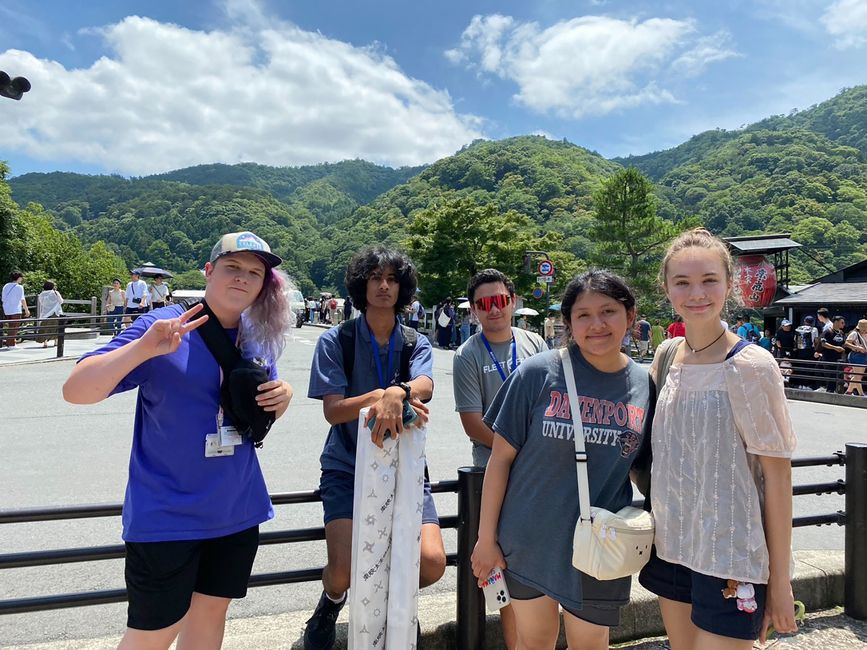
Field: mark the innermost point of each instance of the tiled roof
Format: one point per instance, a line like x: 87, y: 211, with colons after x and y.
x: 830, y: 293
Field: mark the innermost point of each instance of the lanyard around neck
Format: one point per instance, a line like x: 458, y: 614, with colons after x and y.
x: 496, y: 361
x: 392, y: 342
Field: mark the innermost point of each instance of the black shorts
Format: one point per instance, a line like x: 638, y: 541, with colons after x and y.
x: 605, y: 616
x: 162, y: 576
x: 711, y: 610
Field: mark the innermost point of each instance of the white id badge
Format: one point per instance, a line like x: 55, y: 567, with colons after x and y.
x: 214, y: 448
x: 495, y: 590
x: 229, y: 437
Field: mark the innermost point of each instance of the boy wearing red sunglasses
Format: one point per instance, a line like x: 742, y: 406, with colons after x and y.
x: 482, y: 364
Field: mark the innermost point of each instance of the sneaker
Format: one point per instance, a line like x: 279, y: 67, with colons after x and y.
x: 319, y: 633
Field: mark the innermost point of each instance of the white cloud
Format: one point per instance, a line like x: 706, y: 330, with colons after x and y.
x: 846, y: 20
x: 707, y: 50
x: 166, y: 97
x: 590, y: 65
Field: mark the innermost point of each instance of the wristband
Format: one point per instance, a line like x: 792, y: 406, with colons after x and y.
x: 407, y: 389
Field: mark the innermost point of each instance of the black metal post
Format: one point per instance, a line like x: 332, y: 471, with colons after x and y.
x: 61, y: 335
x: 471, y: 605
x: 855, y: 575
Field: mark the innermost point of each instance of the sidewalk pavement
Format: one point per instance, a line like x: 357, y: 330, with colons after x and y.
x: 818, y: 583
x: 33, y: 352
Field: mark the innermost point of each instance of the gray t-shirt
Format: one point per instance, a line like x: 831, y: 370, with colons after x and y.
x: 540, y: 507
x: 476, y: 379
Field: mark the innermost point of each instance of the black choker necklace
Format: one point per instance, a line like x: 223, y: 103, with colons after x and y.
x: 693, y: 350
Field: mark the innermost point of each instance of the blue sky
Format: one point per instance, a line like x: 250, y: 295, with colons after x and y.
x: 134, y: 87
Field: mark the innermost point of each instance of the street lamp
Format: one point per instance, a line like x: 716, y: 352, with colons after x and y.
x: 13, y: 88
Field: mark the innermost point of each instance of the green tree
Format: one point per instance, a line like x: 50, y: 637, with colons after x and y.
x: 451, y: 242
x: 628, y: 233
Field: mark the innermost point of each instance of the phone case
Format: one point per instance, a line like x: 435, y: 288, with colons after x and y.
x: 495, y: 590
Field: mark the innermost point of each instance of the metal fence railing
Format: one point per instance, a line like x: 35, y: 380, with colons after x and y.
x: 826, y: 376
x: 470, y: 615
x: 59, y: 329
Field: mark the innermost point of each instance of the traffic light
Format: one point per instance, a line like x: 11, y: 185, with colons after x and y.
x: 13, y: 88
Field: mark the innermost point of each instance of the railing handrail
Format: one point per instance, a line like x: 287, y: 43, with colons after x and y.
x: 471, y: 614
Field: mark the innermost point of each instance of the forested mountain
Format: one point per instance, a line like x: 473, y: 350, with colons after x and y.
x: 173, y: 219
x: 358, y: 179
x: 804, y: 173
x: 548, y: 181
x: 841, y: 119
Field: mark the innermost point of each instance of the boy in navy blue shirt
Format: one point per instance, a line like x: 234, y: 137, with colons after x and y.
x: 196, y: 494
x: 381, y: 283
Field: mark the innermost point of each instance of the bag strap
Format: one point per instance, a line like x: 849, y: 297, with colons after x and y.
x: 668, y: 350
x: 223, y: 349
x: 346, y: 337
x: 578, y: 436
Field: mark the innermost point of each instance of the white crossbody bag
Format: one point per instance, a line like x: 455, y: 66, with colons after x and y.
x: 606, y: 545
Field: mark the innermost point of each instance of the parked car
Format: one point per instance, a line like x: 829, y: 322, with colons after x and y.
x: 298, y: 307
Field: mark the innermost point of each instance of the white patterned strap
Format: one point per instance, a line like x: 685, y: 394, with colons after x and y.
x: 578, y: 436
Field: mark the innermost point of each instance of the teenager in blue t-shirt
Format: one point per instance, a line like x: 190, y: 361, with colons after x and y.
x: 192, y: 509
x: 381, y: 283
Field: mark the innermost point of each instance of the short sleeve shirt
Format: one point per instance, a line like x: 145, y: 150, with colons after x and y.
x: 540, y: 507
x: 174, y: 492
x: 138, y: 289
x: 712, y: 422
x: 13, y: 294
x: 327, y: 377
x: 476, y: 379
x: 833, y: 337
x: 643, y: 330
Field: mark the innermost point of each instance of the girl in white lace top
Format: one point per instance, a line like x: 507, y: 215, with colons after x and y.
x: 721, y: 487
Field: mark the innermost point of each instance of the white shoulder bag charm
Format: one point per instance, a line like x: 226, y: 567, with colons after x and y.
x: 606, y: 545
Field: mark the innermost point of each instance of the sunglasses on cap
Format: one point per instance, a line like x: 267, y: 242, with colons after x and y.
x: 488, y: 302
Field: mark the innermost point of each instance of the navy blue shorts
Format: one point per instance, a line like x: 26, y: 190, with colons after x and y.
x: 711, y: 611
x: 337, y: 489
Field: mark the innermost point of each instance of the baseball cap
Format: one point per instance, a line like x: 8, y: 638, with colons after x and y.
x: 245, y: 242
x: 809, y: 319
x: 786, y: 322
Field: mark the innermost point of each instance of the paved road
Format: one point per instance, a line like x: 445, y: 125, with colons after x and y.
x: 54, y: 453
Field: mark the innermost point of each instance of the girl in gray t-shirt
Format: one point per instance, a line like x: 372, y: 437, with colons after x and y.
x: 530, y: 496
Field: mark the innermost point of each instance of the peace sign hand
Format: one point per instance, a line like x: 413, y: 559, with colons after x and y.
x: 164, y: 336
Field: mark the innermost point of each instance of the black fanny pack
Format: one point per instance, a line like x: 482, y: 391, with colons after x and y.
x: 241, y: 377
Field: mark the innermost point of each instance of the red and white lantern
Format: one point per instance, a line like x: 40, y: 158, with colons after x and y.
x: 755, y: 281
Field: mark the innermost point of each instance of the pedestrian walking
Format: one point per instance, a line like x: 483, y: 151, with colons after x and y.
x: 856, y: 343
x: 14, y: 305
x: 158, y: 293
x: 49, y: 311
x: 136, y: 297
x: 113, y: 307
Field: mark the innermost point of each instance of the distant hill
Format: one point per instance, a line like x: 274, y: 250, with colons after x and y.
x: 804, y: 173
x: 360, y: 180
x: 173, y: 219
x: 550, y: 181
x: 841, y: 119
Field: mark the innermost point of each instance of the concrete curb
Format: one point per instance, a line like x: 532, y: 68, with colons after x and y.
x: 826, y: 398
x: 818, y: 582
